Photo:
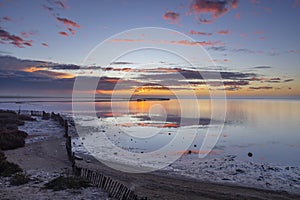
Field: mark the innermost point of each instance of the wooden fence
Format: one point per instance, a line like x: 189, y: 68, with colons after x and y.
x: 114, y: 188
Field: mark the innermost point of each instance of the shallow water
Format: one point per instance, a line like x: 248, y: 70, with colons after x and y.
x: 266, y: 128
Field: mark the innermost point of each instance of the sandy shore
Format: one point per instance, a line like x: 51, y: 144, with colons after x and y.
x: 43, y: 160
x: 46, y: 160
x: 161, y: 185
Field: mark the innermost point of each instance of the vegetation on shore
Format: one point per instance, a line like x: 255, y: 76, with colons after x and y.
x: 19, y: 178
x: 7, y: 168
x: 10, y: 136
x: 71, y: 182
x: 12, y: 139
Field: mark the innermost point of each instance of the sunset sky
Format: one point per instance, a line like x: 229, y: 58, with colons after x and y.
x: 253, y: 44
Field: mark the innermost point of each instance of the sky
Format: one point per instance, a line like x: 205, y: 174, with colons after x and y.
x: 253, y: 45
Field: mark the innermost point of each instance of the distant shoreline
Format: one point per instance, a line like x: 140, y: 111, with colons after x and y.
x: 36, y: 99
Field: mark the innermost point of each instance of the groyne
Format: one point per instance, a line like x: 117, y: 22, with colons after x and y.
x: 114, y: 188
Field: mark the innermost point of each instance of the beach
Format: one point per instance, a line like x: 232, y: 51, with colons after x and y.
x: 168, y: 100
x: 46, y: 158
x: 43, y: 158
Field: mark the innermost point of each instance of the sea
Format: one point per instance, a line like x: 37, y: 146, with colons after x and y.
x: 254, y: 130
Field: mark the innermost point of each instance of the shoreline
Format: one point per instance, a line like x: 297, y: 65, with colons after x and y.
x: 156, y: 185
x: 43, y: 161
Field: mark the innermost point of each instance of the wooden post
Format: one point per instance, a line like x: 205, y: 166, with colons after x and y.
x: 100, y: 181
x: 115, y: 189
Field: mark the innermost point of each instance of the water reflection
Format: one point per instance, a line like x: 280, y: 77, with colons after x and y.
x: 267, y: 128
x: 162, y: 114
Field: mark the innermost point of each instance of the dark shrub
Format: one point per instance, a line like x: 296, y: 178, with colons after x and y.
x: 19, y: 179
x: 8, y: 168
x: 9, y: 118
x: 62, y: 183
x: 12, y: 139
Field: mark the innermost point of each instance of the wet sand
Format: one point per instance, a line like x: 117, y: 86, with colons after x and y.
x: 47, y: 159
x: 160, y: 185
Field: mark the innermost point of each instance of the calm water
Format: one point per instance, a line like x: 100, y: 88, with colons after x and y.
x: 267, y: 128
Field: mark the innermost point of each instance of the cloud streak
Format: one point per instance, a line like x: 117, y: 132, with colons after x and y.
x: 14, y: 39
x: 262, y: 67
x: 192, y: 32
x: 68, y: 22
x: 172, y: 17
x: 261, y: 88
x: 201, y: 43
x: 63, y: 33
x: 215, y: 8
x: 223, y: 32
x: 178, y: 42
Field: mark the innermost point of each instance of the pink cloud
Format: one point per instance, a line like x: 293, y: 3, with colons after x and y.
x: 72, y: 31
x: 27, y: 35
x: 215, y: 8
x: 192, y: 32
x: 206, y: 21
x: 235, y: 4
x: 68, y: 22
x: 45, y: 44
x: 179, y: 42
x: 275, y: 79
x: 237, y: 16
x: 171, y: 16
x: 63, y: 33
x: 13, y: 39
x: 223, y: 32
x: 220, y: 60
x: 7, y: 18
x: 27, y: 44
x: 203, y: 43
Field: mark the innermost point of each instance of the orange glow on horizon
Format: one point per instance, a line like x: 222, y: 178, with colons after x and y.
x: 34, y: 69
